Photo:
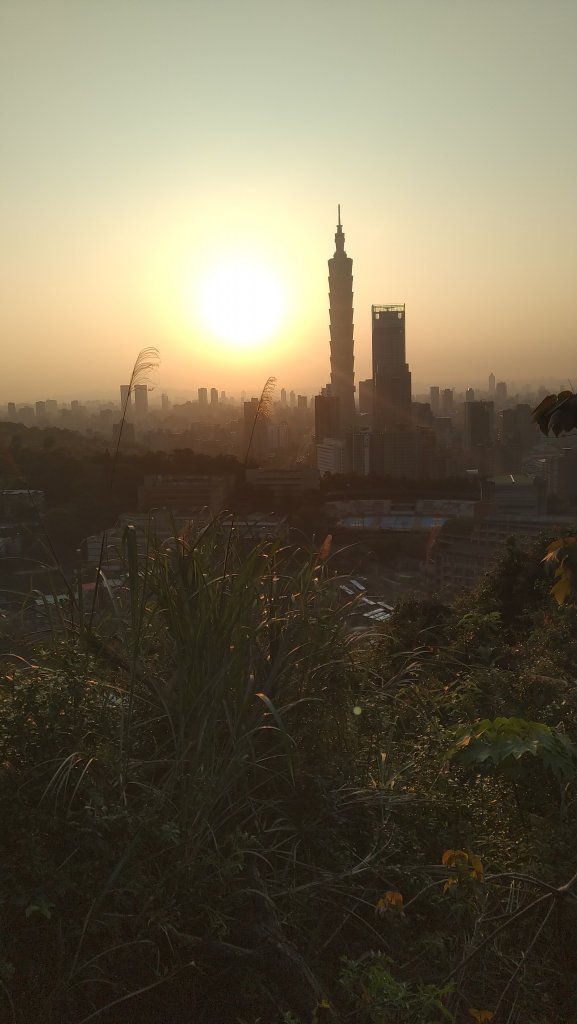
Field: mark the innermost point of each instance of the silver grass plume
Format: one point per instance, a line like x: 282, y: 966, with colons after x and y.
x: 147, y: 360
x: 263, y: 410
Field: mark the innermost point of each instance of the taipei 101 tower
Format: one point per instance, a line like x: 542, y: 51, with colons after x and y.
x: 341, y: 327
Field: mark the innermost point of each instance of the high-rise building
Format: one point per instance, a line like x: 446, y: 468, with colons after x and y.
x: 470, y: 395
x: 292, y: 399
x: 341, y: 328
x: 435, y: 399
x: 491, y: 383
x: 214, y: 396
x: 125, y: 397
x: 447, y: 402
x: 140, y: 400
x: 278, y: 436
x: 421, y: 414
x: 391, y: 372
x: 367, y: 397
x: 326, y: 417
x: 202, y: 396
x: 302, y: 402
x: 479, y: 424
x: 501, y: 391
x: 359, y: 454
x: 164, y: 403
x: 11, y: 410
x: 123, y: 431
x: 283, y: 396
x: 332, y: 456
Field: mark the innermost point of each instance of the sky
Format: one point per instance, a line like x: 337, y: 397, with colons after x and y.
x: 149, y: 146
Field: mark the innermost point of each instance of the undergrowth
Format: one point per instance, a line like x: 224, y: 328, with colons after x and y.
x: 219, y: 804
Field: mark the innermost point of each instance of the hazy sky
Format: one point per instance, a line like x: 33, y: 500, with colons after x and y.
x: 145, y: 143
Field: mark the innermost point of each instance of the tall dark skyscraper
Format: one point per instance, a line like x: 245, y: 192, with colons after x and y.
x: 479, y: 424
x: 341, y: 328
x: 391, y: 372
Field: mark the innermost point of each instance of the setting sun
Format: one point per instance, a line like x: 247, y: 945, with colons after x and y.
x: 241, y: 302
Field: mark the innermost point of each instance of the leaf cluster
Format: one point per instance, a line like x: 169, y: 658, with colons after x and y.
x: 556, y: 413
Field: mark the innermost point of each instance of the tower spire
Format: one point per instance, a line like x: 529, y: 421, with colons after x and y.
x: 339, y: 237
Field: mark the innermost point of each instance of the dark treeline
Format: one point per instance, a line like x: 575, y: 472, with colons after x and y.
x: 87, y: 485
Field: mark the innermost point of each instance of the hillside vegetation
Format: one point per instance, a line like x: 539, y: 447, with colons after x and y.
x: 234, y: 810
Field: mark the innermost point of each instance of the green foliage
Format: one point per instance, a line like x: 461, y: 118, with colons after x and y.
x: 504, y: 741
x: 379, y: 998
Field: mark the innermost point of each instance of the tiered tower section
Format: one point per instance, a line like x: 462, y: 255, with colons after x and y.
x: 341, y: 328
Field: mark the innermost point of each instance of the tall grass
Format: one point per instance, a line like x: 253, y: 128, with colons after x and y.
x: 202, y: 771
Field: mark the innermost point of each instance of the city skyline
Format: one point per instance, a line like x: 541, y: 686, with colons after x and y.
x: 109, y: 397
x: 142, y: 175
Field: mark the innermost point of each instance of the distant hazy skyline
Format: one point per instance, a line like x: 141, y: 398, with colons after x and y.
x: 147, y: 143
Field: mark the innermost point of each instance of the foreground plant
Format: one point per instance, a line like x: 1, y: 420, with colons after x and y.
x: 192, y: 785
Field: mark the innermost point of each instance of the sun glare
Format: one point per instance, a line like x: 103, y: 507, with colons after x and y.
x: 242, y: 303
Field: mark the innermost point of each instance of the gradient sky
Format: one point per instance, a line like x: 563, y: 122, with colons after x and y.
x: 144, y: 141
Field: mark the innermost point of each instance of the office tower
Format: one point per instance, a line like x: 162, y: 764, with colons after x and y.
x: 470, y: 395
x: 26, y: 414
x: 491, y: 383
x: 278, y: 436
x: 123, y: 431
x: 435, y: 399
x: 302, y: 402
x: 141, y: 400
x: 395, y: 453
x: 501, y: 391
x: 517, y: 425
x: 283, y: 396
x: 359, y: 452
x: 366, y: 397
x: 125, y: 397
x: 164, y: 403
x: 421, y: 414
x: 341, y: 328
x: 11, y: 410
x: 214, y: 396
x: 447, y: 402
x: 223, y: 396
x: 479, y: 424
x: 332, y: 455
x: 293, y: 399
x: 40, y: 409
x: 327, y: 420
x: 391, y: 373
x: 202, y: 396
